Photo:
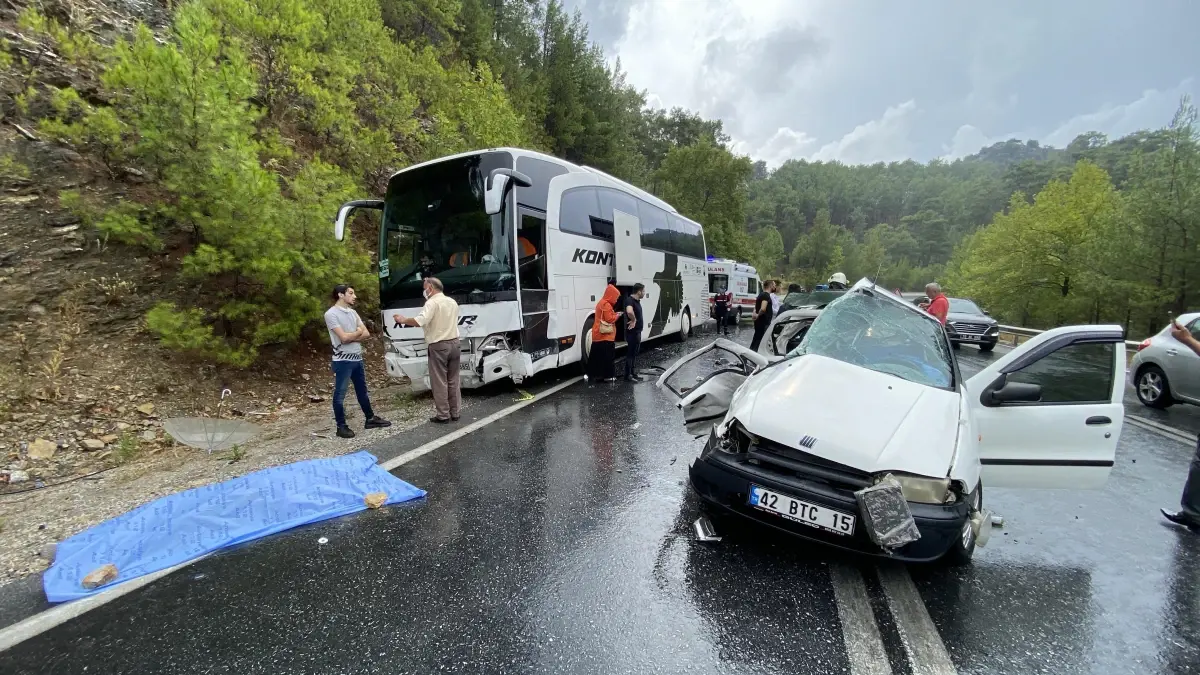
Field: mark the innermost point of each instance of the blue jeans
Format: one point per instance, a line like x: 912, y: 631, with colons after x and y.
x: 345, y: 372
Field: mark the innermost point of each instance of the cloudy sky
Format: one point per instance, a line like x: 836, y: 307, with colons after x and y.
x: 880, y: 80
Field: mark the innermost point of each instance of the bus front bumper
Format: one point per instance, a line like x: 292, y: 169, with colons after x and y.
x: 414, y: 371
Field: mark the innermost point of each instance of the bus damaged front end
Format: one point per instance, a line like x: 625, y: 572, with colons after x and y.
x: 451, y: 219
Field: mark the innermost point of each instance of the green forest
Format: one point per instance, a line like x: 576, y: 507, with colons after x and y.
x: 250, y: 121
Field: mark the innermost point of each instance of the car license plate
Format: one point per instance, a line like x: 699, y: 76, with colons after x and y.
x: 969, y: 338
x: 801, y: 512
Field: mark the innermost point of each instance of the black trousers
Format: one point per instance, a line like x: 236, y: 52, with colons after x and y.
x: 1191, y: 489
x: 722, y: 315
x: 760, y: 328
x: 632, y: 349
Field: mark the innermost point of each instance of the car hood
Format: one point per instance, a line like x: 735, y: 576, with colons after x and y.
x: 860, y: 418
x: 971, y: 318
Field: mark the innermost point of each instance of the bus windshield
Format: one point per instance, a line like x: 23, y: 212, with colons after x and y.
x: 434, y: 224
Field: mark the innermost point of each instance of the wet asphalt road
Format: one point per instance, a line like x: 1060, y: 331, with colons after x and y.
x: 558, y: 539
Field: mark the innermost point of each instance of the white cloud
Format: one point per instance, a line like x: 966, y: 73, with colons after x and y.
x: 785, y: 144
x: 1043, y: 70
x: 1153, y: 110
x: 882, y: 140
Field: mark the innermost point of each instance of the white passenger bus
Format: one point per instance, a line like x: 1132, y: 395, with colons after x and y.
x: 526, y: 243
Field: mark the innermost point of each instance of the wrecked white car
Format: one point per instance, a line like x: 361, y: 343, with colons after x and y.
x: 866, y: 437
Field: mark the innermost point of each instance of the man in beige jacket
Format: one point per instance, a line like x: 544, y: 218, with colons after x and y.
x: 439, y: 320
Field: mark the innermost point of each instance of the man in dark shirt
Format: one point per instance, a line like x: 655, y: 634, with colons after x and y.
x: 633, y: 331
x: 721, y: 302
x: 763, y: 313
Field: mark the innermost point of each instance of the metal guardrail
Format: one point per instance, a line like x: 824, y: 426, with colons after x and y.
x: 1018, y: 334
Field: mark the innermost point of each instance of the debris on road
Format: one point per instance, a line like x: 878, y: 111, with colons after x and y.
x: 705, y: 530
x: 100, y: 576
x: 524, y: 395
x: 323, y: 540
x: 375, y: 500
x: 42, y: 449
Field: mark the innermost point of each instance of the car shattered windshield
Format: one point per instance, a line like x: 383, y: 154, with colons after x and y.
x: 883, y: 336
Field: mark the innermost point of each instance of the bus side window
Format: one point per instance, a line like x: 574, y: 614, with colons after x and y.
x: 686, y: 237
x: 578, y: 205
x: 611, y: 200
x: 656, y: 231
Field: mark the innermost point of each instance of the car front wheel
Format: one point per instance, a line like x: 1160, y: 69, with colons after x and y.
x: 1152, y: 387
x: 985, y: 348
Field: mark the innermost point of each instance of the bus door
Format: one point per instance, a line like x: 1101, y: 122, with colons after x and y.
x: 627, y: 245
x: 535, y: 290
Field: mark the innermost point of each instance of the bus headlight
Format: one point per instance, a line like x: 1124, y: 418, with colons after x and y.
x: 922, y: 490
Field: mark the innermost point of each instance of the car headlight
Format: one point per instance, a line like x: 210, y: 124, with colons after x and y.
x: 994, y: 330
x: 923, y: 490
x: 734, y: 441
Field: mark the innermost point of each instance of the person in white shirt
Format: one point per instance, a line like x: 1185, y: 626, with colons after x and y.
x: 439, y: 320
x: 346, y: 333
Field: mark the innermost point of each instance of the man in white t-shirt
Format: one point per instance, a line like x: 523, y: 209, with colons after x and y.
x: 346, y: 333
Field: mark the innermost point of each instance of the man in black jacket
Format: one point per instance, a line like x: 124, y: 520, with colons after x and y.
x: 763, y: 313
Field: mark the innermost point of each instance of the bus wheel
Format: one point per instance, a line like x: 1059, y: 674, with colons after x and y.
x: 685, y: 326
x: 585, y: 343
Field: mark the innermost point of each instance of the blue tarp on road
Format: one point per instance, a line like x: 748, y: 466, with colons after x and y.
x: 183, y: 526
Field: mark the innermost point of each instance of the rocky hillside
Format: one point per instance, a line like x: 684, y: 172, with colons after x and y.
x: 85, y: 385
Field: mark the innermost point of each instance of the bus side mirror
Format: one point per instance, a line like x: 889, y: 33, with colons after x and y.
x: 343, y: 214
x: 498, y: 183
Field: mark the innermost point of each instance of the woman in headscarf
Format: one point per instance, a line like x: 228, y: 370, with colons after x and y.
x: 601, y: 364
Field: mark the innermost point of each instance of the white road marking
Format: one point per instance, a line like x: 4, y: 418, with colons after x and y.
x: 1161, y: 429
x: 429, y: 447
x: 922, y: 643
x: 55, y: 616
x: 44, y: 621
x: 864, y: 646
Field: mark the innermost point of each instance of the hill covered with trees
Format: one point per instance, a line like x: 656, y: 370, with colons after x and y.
x: 224, y: 133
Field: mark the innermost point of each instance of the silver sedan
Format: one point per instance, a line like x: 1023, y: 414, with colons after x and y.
x: 1164, y: 371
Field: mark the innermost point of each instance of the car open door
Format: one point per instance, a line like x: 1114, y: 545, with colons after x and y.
x: 1049, y: 413
x: 706, y: 380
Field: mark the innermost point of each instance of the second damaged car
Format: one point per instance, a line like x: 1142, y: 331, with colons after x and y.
x: 865, y: 436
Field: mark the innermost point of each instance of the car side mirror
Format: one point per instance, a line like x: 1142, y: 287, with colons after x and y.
x: 498, y: 183
x: 1002, y: 391
x: 986, y: 313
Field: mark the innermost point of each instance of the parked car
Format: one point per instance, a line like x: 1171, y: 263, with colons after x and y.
x: 967, y: 323
x: 871, y: 404
x: 1165, y: 372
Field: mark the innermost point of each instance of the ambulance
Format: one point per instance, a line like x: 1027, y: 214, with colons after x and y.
x: 740, y: 278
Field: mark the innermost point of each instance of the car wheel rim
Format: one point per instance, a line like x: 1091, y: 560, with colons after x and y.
x: 1151, y: 386
x: 587, y: 343
x: 968, y: 533
x: 686, y: 327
